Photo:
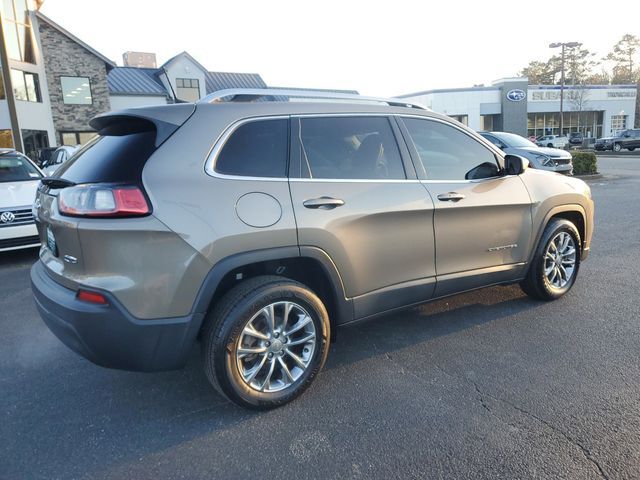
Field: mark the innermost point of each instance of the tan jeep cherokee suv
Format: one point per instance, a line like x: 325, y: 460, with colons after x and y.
x: 259, y: 227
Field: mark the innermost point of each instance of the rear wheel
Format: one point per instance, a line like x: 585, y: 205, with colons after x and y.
x: 631, y: 149
x: 555, y: 264
x: 265, y: 342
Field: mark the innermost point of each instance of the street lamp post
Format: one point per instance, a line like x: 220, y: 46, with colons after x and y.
x: 563, y: 45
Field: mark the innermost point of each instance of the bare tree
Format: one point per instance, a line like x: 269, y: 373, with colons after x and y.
x: 578, y: 99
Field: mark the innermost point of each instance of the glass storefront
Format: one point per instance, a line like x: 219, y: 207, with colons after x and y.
x: 548, y: 123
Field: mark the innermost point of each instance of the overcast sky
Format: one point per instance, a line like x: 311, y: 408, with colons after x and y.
x: 378, y: 48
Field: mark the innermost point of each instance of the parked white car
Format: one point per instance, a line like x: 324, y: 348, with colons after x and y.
x: 61, y: 155
x: 552, y: 141
x: 19, y: 178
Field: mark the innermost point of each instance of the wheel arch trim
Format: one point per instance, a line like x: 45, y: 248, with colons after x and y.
x: 567, y: 208
x: 207, y: 292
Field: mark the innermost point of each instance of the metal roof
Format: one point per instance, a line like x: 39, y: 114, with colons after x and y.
x: 135, y: 81
x: 224, y: 80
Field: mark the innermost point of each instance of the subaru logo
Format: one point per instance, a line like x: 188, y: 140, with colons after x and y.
x: 7, y: 217
x: 516, y: 95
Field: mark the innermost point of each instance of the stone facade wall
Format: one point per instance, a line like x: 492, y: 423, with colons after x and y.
x: 64, y: 57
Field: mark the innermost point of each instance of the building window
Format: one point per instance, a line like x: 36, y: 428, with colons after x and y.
x: 618, y: 122
x: 6, y: 139
x: 34, y: 140
x: 486, y: 123
x: 188, y: 89
x: 76, y: 138
x: 17, y: 30
x: 76, y: 90
x: 26, y: 86
x: 463, y: 119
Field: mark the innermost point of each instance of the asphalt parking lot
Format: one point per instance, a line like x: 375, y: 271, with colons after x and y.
x: 488, y: 384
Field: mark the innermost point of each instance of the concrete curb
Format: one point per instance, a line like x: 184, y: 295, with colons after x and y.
x: 593, y: 176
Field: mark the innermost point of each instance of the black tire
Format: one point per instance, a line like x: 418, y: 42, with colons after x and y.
x: 226, y: 321
x: 631, y: 149
x: 549, y: 145
x: 536, y: 283
x: 616, y: 147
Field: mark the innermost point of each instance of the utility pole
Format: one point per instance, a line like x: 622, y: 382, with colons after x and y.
x: 8, y: 91
x: 563, y: 46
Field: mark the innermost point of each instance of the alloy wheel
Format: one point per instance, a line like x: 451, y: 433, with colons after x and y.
x: 560, y: 260
x: 275, y: 347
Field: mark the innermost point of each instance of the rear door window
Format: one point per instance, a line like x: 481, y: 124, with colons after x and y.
x: 256, y: 149
x: 349, y: 148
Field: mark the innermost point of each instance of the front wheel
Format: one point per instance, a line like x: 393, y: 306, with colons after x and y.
x: 617, y: 147
x: 555, y: 264
x: 265, y: 342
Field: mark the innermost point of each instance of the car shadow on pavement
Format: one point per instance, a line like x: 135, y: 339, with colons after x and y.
x: 110, y: 419
x: 426, y: 323
x: 18, y: 258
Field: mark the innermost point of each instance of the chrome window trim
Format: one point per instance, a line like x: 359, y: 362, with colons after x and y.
x: 219, y: 143
x: 352, y: 180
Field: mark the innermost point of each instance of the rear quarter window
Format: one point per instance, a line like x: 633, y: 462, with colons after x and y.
x: 256, y: 149
x: 111, y: 158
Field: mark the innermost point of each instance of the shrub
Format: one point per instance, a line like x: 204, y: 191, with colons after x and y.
x: 584, y: 163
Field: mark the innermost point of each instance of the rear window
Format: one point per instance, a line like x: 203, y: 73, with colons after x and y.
x: 112, y: 158
x: 14, y: 168
x: 256, y: 149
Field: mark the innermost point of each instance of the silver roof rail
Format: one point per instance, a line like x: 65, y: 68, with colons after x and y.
x: 251, y: 94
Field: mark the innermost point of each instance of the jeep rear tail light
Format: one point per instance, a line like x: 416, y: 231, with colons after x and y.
x: 101, y: 200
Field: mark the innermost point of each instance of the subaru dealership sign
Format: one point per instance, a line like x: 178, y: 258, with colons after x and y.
x: 516, y: 95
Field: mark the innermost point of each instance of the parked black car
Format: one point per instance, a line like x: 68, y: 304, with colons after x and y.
x: 576, y: 138
x: 629, y: 139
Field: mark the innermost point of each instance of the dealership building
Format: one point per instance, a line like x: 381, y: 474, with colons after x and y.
x: 512, y: 105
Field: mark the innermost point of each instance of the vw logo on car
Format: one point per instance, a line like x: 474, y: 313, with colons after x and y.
x: 516, y: 95
x: 7, y: 217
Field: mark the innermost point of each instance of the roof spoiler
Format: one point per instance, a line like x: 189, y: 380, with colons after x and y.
x: 165, y: 119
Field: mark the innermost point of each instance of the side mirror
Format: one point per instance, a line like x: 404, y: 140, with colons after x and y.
x: 515, y: 164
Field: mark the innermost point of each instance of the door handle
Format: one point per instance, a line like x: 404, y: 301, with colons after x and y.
x: 323, y: 203
x: 450, y: 197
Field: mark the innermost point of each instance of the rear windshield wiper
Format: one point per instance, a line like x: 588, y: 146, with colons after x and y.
x: 56, y: 182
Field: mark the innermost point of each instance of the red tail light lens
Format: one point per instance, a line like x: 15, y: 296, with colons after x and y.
x: 91, y: 297
x: 103, y: 201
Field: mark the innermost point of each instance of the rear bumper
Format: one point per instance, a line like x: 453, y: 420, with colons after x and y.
x: 108, y: 335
